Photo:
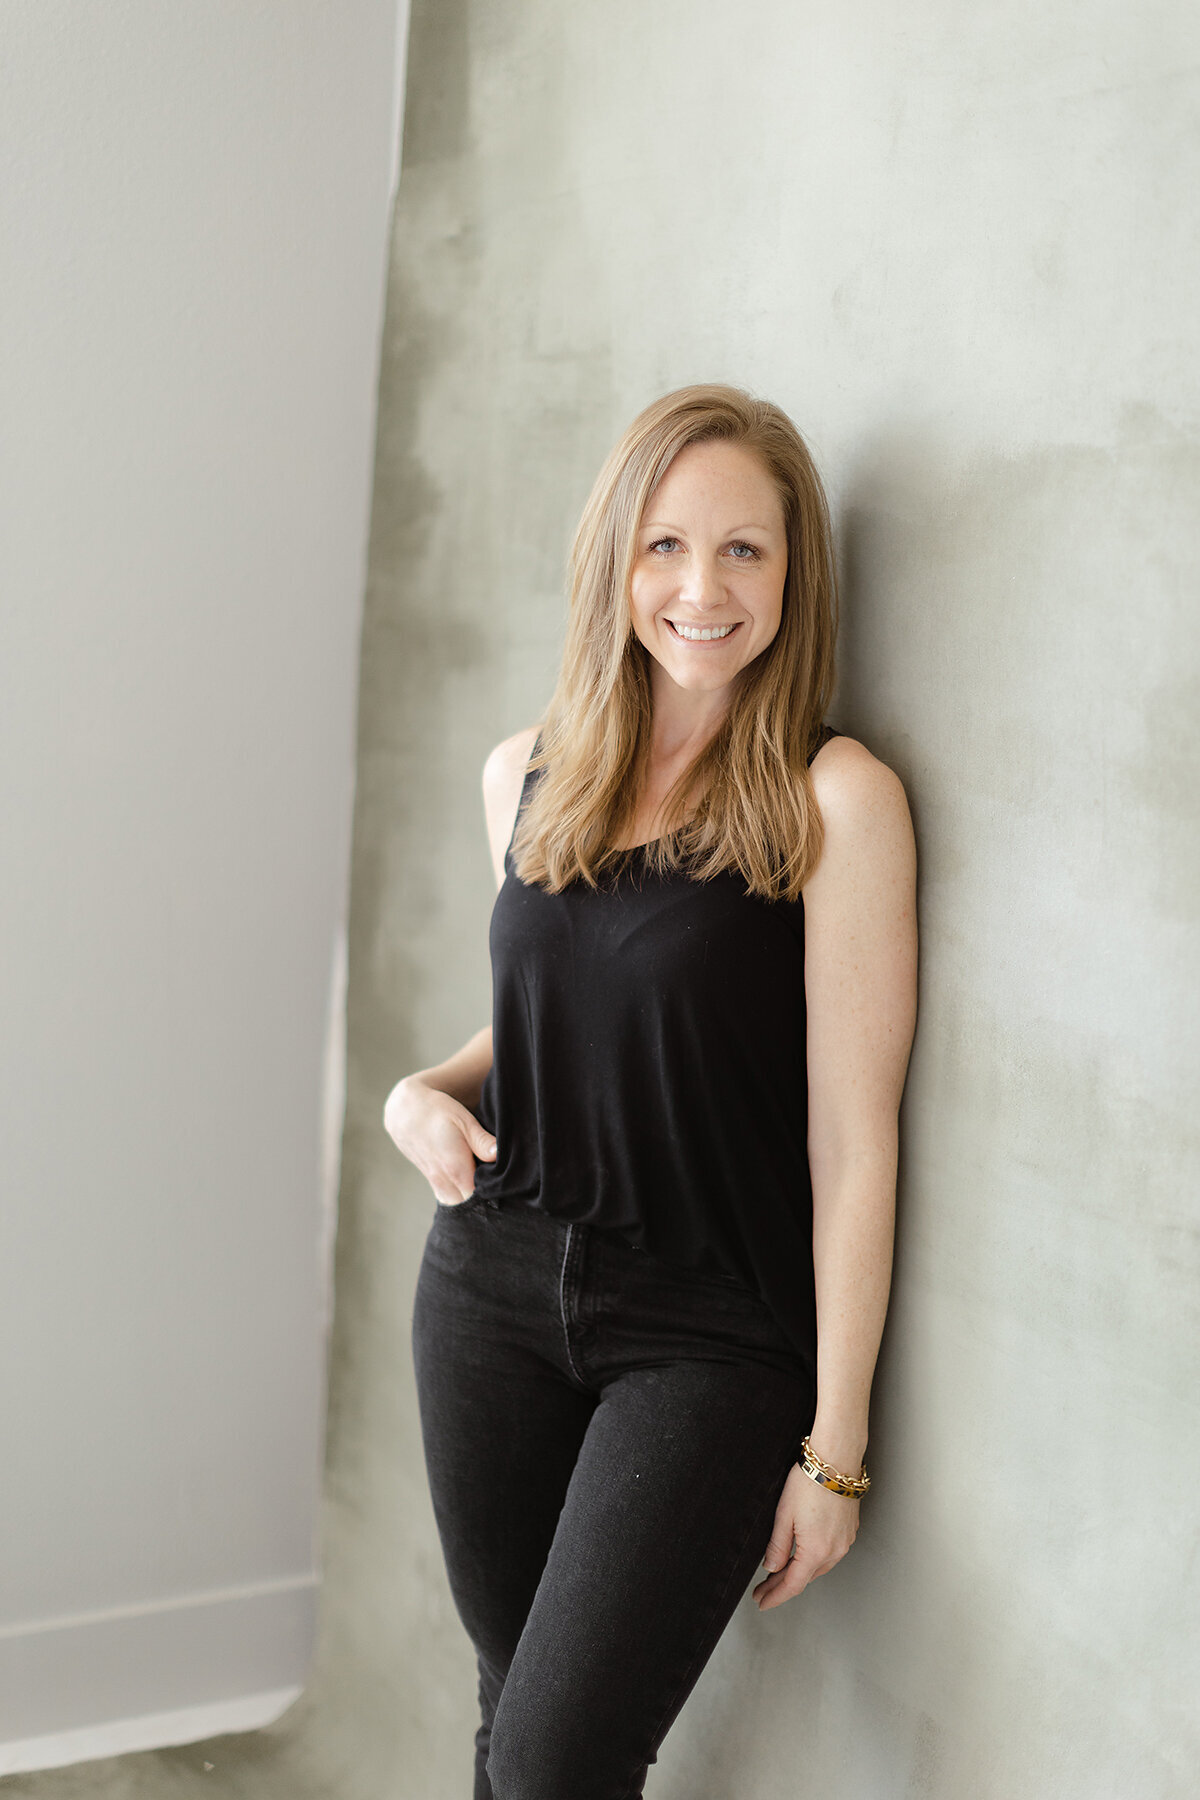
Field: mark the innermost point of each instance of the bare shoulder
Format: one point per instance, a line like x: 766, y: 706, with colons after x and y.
x: 503, y: 778
x: 868, y: 827
x: 860, y: 959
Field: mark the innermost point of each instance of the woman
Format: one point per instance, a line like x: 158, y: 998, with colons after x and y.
x: 684, y: 1115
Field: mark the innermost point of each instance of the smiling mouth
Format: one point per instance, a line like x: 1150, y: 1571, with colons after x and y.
x: 702, y: 634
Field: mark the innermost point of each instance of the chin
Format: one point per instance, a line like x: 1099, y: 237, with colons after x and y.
x: 696, y: 681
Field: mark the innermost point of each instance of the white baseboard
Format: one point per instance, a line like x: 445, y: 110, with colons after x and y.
x: 190, y: 1658
x: 190, y: 1726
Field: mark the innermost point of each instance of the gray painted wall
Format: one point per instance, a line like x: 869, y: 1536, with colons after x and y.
x: 196, y: 208
x: 953, y: 244
x: 957, y: 245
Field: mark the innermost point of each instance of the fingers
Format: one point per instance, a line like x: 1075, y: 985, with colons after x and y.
x: 452, y: 1180
x: 789, y: 1575
x: 786, y: 1575
x: 780, y: 1547
x: 440, y: 1136
x: 783, y: 1585
x: 821, y: 1526
x: 482, y: 1142
x: 459, y: 1174
x: 448, y: 1187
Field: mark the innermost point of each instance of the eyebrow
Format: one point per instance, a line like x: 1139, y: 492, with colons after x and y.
x: 662, y: 525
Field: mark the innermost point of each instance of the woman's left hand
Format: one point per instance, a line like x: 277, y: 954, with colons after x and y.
x: 822, y: 1525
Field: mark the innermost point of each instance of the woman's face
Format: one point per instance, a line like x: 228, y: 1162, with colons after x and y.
x: 706, y: 594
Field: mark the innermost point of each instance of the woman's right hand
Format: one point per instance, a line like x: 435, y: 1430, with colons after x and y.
x: 439, y: 1136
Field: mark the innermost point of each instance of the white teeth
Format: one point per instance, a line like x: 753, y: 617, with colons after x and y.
x: 695, y: 635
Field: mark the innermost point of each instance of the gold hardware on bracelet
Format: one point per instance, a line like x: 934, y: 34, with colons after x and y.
x: 826, y: 1476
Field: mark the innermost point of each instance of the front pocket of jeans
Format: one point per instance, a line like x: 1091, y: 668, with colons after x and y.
x: 454, y: 1206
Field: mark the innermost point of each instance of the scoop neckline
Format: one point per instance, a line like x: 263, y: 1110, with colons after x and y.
x: 664, y: 838
x: 630, y: 849
x: 830, y: 731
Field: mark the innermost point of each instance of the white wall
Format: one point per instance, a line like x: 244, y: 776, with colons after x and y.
x: 196, y: 208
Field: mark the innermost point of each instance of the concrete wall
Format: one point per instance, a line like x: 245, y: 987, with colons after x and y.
x: 196, y: 207
x: 956, y: 244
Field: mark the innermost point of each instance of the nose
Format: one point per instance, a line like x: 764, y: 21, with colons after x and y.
x: 701, y: 586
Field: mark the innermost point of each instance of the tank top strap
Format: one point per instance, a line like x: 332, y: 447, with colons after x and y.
x: 530, y: 781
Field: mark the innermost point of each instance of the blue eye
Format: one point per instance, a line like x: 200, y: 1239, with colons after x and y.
x: 753, y: 556
x: 659, y: 542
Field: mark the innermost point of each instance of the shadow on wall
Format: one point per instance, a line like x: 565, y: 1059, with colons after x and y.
x: 1032, y: 610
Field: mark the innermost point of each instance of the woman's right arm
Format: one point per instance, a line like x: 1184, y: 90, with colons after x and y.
x: 430, y: 1115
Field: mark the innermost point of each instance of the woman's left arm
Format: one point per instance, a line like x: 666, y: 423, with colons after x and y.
x: 860, y: 979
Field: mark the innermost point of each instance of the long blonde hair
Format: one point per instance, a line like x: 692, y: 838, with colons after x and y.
x: 758, y: 813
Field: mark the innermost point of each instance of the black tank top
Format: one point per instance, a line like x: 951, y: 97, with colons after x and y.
x: 649, y: 1072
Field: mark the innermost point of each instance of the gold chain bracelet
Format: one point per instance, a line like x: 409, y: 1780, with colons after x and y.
x: 853, y: 1486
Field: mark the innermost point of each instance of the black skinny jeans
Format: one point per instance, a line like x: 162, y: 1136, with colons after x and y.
x: 606, y: 1441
